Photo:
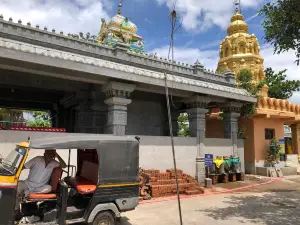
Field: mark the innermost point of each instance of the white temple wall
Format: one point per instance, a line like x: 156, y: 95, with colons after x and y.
x: 155, y: 151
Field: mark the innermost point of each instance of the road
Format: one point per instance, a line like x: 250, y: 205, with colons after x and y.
x: 273, y: 204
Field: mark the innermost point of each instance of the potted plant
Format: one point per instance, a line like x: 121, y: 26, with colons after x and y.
x: 273, y: 153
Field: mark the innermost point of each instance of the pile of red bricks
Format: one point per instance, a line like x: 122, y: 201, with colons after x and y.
x: 164, y: 184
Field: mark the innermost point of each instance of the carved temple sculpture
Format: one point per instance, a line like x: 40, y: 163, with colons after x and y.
x: 121, y: 29
x: 240, y: 50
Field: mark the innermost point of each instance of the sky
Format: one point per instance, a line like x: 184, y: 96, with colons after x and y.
x: 203, y: 25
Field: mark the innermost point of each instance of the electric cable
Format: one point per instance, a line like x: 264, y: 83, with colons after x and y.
x: 171, y: 49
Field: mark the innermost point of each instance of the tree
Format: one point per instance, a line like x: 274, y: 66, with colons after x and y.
x: 245, y: 81
x: 282, y: 25
x: 11, y: 116
x: 279, y: 87
x: 183, y: 125
x: 40, y: 119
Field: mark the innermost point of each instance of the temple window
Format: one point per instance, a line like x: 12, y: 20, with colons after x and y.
x: 242, y: 49
x: 269, y: 134
x: 226, y: 52
x: 255, y: 50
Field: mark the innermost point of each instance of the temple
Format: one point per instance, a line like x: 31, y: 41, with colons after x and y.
x: 240, y: 50
x: 109, y: 85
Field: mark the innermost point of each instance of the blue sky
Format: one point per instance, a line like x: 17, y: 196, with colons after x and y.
x: 204, y: 25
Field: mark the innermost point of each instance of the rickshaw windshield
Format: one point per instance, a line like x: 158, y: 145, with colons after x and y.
x: 10, y: 164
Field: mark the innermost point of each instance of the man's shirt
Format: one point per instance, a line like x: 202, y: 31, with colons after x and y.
x: 39, y: 174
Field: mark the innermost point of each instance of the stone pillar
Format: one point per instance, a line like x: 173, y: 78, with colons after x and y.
x: 295, y: 138
x: 54, y: 115
x: 84, y: 119
x: 197, y: 113
x: 174, y: 114
x: 54, y: 118
x: 231, y: 113
x: 117, y: 98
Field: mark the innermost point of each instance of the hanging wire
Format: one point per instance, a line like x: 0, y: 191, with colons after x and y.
x: 171, y: 49
x: 171, y: 46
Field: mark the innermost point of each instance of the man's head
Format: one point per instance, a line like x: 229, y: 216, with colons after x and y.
x: 50, y: 154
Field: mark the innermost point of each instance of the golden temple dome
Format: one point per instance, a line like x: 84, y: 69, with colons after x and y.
x: 240, y: 50
x: 237, y: 25
x: 120, y: 22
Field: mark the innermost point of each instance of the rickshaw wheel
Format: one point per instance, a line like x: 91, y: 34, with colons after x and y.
x: 104, y: 218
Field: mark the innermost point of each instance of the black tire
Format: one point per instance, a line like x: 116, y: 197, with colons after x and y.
x: 104, y: 218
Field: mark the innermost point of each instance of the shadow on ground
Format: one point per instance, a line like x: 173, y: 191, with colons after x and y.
x: 276, y: 207
x: 124, y: 221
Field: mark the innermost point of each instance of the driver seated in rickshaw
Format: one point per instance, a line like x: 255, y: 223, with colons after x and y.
x: 41, y: 168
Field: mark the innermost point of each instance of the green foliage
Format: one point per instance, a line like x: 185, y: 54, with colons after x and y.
x: 183, y: 125
x: 11, y: 116
x: 279, y: 86
x: 41, y: 119
x: 273, y: 153
x: 245, y: 81
x: 282, y: 25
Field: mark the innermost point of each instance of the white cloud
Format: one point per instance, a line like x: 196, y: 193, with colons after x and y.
x: 68, y: 16
x: 190, y: 55
x: 200, y: 15
x: 283, y: 61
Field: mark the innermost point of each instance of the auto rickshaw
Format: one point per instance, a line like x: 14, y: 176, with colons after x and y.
x: 105, y: 185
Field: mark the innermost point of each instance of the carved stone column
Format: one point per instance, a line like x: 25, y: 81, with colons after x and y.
x: 54, y: 115
x: 295, y: 138
x: 117, y: 99
x: 231, y: 113
x: 174, y: 114
x: 196, y: 112
x: 83, y: 123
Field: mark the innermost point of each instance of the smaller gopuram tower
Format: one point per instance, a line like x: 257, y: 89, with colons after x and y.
x: 120, y: 30
x: 240, y: 50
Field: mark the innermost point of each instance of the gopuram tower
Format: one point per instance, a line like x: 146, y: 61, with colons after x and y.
x: 240, y: 50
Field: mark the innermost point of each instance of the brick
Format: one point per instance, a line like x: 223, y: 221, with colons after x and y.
x: 153, y: 179
x: 192, y: 192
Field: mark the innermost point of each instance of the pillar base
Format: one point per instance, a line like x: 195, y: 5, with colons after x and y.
x: 200, y: 170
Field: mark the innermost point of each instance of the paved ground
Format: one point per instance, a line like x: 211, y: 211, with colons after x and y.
x: 273, y: 204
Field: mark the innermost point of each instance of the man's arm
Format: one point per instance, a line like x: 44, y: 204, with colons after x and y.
x: 31, y: 163
x: 61, y: 161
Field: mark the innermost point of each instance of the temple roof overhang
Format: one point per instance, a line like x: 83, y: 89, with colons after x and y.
x: 26, y: 44
x: 29, y: 53
x: 278, y: 109
x: 117, y: 53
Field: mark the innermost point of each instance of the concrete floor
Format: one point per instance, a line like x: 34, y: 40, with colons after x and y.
x: 273, y: 204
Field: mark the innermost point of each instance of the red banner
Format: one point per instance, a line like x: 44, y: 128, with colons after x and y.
x: 37, y: 129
